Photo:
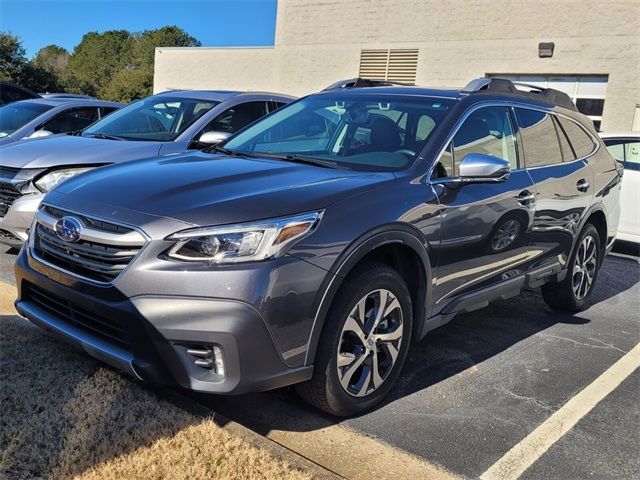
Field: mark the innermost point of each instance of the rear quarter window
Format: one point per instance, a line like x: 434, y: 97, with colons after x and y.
x: 581, y: 141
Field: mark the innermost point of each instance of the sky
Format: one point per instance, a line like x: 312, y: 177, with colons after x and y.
x: 39, y: 23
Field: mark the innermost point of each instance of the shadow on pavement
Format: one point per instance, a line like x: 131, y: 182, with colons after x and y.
x: 466, y: 341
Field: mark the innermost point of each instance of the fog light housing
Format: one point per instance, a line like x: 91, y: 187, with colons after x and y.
x: 208, y: 357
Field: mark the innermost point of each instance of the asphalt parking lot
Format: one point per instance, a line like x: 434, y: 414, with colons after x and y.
x: 475, y: 388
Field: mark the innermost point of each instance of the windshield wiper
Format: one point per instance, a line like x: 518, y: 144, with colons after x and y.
x: 104, y: 136
x: 288, y: 158
x: 226, y: 151
x: 307, y: 160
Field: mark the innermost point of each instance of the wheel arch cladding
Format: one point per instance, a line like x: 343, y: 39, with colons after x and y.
x: 400, y: 246
x: 599, y: 220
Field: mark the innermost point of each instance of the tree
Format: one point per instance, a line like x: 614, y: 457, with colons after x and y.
x: 130, y: 84
x: 15, y: 67
x: 95, y: 60
x: 116, y: 64
x: 12, y: 57
x: 52, y: 58
x: 144, y: 44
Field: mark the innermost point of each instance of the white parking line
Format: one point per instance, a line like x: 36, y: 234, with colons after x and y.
x: 534, y: 445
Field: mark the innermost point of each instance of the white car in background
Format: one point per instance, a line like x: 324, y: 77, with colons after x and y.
x: 625, y: 148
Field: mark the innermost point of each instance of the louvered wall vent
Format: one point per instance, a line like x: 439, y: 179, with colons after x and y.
x: 393, y: 65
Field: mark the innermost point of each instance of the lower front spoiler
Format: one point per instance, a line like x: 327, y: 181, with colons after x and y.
x: 157, y: 332
x: 109, y: 354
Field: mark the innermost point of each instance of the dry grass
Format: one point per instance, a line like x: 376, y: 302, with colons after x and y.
x: 65, y: 416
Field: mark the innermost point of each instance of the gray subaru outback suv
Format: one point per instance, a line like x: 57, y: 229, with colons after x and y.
x: 316, y: 245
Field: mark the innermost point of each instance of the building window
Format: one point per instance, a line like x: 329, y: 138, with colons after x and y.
x: 587, y: 91
x: 394, y: 65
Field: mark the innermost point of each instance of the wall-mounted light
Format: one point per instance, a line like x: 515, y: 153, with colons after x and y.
x: 545, y: 49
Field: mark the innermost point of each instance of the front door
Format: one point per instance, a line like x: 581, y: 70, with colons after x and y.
x: 484, y: 226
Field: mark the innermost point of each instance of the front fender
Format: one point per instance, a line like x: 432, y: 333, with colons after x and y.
x: 399, y: 233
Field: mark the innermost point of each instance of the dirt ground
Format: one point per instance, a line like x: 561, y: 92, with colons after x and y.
x: 62, y: 415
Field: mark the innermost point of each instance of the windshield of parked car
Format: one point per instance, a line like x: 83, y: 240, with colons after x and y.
x: 153, y: 119
x: 16, y: 115
x: 363, y: 131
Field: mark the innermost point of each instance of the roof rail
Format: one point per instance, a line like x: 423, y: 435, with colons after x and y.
x: 503, y: 85
x: 361, y: 83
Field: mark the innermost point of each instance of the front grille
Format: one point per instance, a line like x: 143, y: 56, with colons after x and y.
x: 95, y: 260
x: 108, y: 329
x: 7, y: 196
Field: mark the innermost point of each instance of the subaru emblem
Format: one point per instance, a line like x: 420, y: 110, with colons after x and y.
x: 68, y: 229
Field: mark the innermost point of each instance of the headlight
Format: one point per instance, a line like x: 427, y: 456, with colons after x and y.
x: 51, y: 179
x: 243, y: 242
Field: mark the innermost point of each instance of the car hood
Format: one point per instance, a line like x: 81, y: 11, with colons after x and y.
x: 204, y: 189
x: 73, y: 150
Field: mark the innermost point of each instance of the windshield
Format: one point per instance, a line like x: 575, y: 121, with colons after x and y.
x: 154, y: 118
x: 16, y: 115
x: 359, y: 131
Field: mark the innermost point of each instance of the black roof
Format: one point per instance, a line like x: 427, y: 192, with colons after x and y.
x: 493, y: 86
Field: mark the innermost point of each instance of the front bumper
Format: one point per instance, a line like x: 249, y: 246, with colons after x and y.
x: 157, y: 330
x: 14, y: 226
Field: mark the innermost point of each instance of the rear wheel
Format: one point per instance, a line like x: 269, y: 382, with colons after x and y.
x: 364, y: 342
x: 573, y: 294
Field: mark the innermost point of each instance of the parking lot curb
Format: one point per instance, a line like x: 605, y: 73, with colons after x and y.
x: 8, y: 294
x: 276, y: 449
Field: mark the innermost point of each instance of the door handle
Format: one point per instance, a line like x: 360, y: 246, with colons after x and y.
x: 525, y: 198
x: 582, y: 185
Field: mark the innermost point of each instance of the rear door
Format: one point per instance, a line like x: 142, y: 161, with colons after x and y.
x: 563, y: 184
x: 484, y: 227
x: 627, y: 152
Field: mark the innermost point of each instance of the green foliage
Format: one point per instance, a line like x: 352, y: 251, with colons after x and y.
x: 52, y: 58
x: 15, y: 67
x: 12, y: 57
x: 130, y: 84
x: 115, y: 65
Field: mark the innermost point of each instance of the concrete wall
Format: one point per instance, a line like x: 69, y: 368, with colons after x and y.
x: 319, y: 42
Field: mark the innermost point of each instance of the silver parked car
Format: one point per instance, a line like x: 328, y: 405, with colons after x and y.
x: 42, y: 117
x: 165, y: 124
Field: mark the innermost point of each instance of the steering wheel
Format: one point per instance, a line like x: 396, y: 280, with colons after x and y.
x: 406, y: 151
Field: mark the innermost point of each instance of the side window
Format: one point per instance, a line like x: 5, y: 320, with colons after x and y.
x: 104, y: 111
x: 237, y: 117
x: 567, y: 150
x: 487, y: 131
x: 580, y: 140
x: 71, y: 120
x: 626, y: 151
x: 276, y: 105
x: 426, y: 124
x: 539, y: 138
x: 632, y: 155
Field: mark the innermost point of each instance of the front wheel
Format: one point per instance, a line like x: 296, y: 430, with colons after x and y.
x: 573, y: 294
x: 364, y: 342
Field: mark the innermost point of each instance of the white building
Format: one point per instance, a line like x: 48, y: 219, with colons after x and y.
x: 445, y: 43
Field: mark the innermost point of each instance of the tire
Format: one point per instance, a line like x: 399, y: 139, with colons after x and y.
x: 564, y: 295
x: 353, y: 387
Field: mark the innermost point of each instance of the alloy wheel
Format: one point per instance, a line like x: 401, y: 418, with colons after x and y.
x: 584, y: 268
x: 369, y: 343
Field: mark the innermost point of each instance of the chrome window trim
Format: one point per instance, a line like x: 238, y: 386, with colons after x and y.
x: 511, y: 105
x: 33, y: 254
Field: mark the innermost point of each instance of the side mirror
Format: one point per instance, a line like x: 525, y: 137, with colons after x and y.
x: 478, y: 167
x: 213, y: 138
x: 40, y: 133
